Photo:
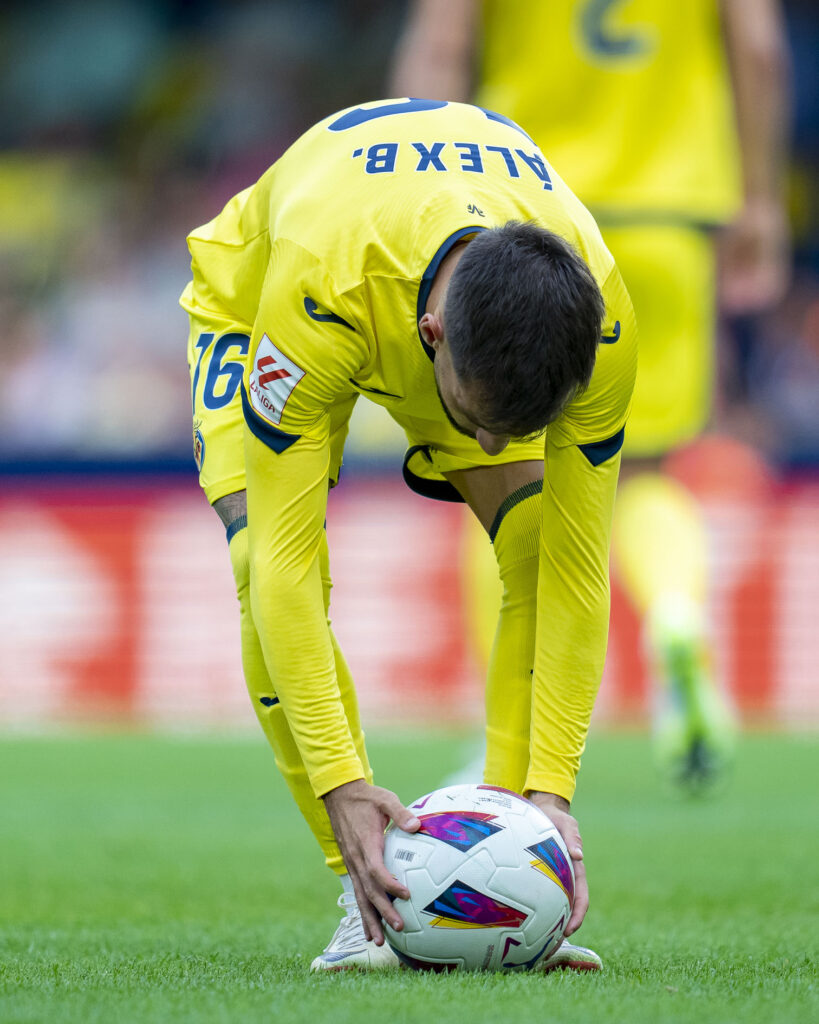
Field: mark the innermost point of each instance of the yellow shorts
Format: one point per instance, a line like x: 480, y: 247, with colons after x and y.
x: 669, y: 273
x: 217, y: 348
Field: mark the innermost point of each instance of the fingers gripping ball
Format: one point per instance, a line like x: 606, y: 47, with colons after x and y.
x: 491, y: 882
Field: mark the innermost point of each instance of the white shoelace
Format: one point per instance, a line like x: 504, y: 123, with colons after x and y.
x: 349, y: 935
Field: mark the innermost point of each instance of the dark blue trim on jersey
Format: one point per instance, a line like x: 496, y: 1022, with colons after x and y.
x: 429, y: 275
x: 239, y: 523
x: 609, y: 339
x: 310, y: 307
x: 353, y: 118
x: 598, y: 452
x: 493, y: 116
x: 266, y: 432
x: 439, y: 490
x: 269, y: 702
x: 373, y: 391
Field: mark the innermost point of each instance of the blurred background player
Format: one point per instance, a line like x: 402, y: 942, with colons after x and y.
x: 669, y: 122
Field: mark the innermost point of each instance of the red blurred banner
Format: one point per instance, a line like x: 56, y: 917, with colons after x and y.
x: 117, y: 602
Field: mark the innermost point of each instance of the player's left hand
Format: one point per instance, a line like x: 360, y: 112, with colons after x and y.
x: 558, y: 810
x: 359, y: 813
x: 754, y: 259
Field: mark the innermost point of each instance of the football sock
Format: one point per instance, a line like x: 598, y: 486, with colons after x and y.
x: 347, y: 887
x: 270, y: 714
x: 515, y: 535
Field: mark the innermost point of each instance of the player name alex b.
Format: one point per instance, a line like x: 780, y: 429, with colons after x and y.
x: 471, y: 157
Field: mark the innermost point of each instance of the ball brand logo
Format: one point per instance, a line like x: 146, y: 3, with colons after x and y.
x: 461, y: 906
x: 265, y: 378
x: 505, y: 792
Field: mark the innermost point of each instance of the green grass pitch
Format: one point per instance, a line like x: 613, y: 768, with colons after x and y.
x: 169, y: 879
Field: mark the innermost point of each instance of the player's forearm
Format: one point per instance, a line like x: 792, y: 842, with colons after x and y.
x: 289, y: 616
x: 573, y: 615
x: 286, y: 503
x: 758, y: 59
x: 434, y: 55
x: 568, y: 667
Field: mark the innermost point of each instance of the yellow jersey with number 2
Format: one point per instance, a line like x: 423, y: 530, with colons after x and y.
x: 629, y: 99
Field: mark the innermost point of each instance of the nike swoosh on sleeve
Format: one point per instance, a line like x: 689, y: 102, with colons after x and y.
x: 609, y: 339
x: 311, y: 307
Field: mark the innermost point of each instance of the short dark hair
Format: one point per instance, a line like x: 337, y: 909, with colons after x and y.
x: 522, y: 318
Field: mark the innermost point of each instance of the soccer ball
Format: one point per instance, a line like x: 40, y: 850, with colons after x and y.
x: 491, y: 882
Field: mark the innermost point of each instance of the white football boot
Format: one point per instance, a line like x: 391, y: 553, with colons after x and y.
x: 568, y: 957
x: 349, y: 948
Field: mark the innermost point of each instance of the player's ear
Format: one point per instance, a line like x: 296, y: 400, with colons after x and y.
x: 431, y: 328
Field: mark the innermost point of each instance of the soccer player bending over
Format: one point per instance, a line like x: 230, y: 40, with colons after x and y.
x: 425, y: 255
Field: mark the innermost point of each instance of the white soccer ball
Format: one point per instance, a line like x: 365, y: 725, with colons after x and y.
x: 491, y: 882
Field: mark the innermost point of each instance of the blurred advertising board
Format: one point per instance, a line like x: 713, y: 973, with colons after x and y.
x: 116, y: 603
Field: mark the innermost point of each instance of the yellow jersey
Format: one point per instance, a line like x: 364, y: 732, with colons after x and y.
x: 329, y: 258
x: 630, y: 99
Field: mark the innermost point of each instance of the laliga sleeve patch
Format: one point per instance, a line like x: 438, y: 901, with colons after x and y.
x: 273, y: 379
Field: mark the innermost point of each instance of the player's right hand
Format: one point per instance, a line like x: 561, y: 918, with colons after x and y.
x: 359, y: 813
x: 558, y: 810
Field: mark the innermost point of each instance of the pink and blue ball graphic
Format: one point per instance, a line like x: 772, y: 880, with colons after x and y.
x: 461, y: 906
x: 551, y: 861
x: 462, y: 829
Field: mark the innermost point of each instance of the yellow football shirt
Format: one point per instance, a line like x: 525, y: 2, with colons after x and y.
x: 331, y: 256
x: 629, y: 99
